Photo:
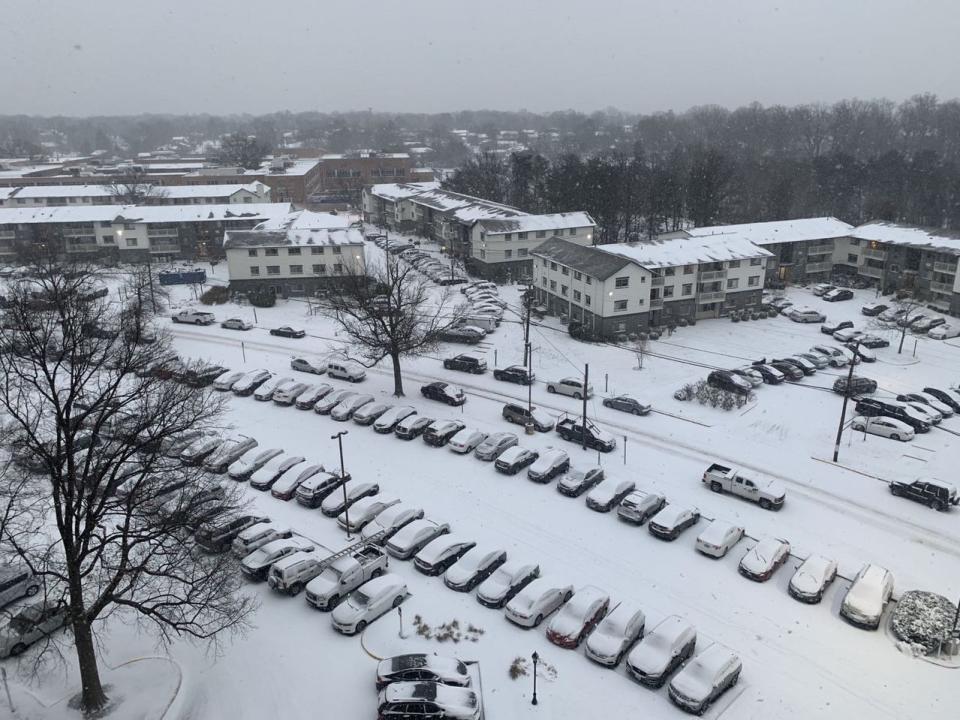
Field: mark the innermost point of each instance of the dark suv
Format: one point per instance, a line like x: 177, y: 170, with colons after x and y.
x: 519, y: 415
x: 726, y: 380
x: 858, y: 385
x: 515, y: 374
x: 466, y: 363
x: 934, y: 493
x: 791, y: 371
x: 872, y: 407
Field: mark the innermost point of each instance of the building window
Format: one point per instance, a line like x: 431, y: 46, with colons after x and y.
x: 619, y: 304
x: 316, y: 250
x: 508, y: 236
x: 522, y: 252
x: 622, y: 282
x: 589, y: 280
x: 687, y: 289
x: 577, y: 275
x: 668, y: 291
x: 251, y: 253
x: 851, y: 258
x: 337, y: 250
x: 541, y: 233
x: 854, y: 241
x: 338, y: 269
x: 553, y: 284
x: 320, y: 269
x: 689, y: 269
x: 507, y: 254
x: 753, y: 280
x: 756, y: 261
x: 128, y: 226
x: 293, y: 251
x: 296, y: 269
x: 669, y: 272
x: 544, y: 262
x: 733, y: 264
x: 107, y: 239
x: 271, y: 252
x: 586, y: 300
x: 571, y: 232
x: 576, y: 296
x: 733, y: 283
x: 254, y: 269
x: 131, y: 242
x: 273, y: 269
x: 483, y: 254
x: 621, y: 327
x: 103, y: 223
x: 564, y: 271
x: 553, y: 266
x: 563, y: 290
x: 521, y: 236
x: 544, y: 281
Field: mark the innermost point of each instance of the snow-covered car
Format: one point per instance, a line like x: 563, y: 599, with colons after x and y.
x: 364, y: 510
x: 218, y: 536
x: 347, y: 407
x: 536, y: 601
x: 439, y: 432
x: 17, y: 581
x: 266, y: 391
x: 834, y: 357
x: 442, y: 552
x: 257, y: 564
x: 288, y: 332
x: 245, y: 466
x: 865, y: 600
x: 494, y: 445
x: 412, y: 538
x: 704, y: 679
x: 873, y: 342
x: 30, y: 624
x: 811, y: 580
x: 265, y: 477
x: 201, y: 448
x: 847, y: 334
x: 818, y: 360
x: 662, y: 651
x: 577, y: 482
x: 672, y: 520
x: 473, y: 568
x: 368, y: 602
x: 227, y: 453
x: 625, y: 403
x: 924, y: 325
x: 578, y: 617
x: 616, y: 634
x: 927, y: 413
x: 288, y: 394
x: 367, y: 414
x: 256, y: 536
x: 874, y: 308
x: 505, y: 582
x: 608, y: 494
x: 334, y: 503
x: 315, y: 366
x: 412, y: 426
x: 324, y: 406
x: 389, y: 419
x: 427, y: 700
x: 945, y: 331
x: 225, y: 381
x: 444, y: 392
x: 761, y: 561
x: 390, y: 521
x: 424, y: 668
x: 638, y: 507
x: 466, y: 440
x: 749, y: 374
x: 802, y: 314
x: 718, y: 538
x: 236, y: 324
x: 548, y: 465
x: 514, y: 459
x: 313, y: 491
x: 310, y: 397
x: 933, y: 401
x: 884, y: 427
x: 572, y: 387
x: 286, y: 486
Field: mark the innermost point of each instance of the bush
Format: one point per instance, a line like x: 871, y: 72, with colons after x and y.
x: 262, y: 298
x: 706, y: 394
x: 217, y: 295
x: 734, y: 317
x: 681, y: 322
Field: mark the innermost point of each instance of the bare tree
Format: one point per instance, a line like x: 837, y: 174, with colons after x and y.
x: 390, y: 311
x: 134, y: 188
x: 93, y: 501
x: 903, y: 311
x: 243, y: 150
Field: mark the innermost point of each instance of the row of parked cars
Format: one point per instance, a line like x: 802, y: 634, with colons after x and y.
x: 910, y: 413
x: 424, y: 262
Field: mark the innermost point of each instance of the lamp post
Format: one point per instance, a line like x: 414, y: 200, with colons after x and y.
x: 343, y: 482
x: 535, y: 659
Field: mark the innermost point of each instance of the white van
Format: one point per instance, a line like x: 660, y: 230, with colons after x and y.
x: 289, y: 575
x: 345, y: 371
x: 484, y: 322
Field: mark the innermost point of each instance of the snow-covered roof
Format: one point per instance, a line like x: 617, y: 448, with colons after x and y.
x: 167, y: 191
x: 305, y: 220
x: 780, y: 231
x: 465, y: 208
x: 532, y: 223
x: 401, y: 191
x: 583, y: 259
x: 142, y: 213
x: 895, y: 234
x: 297, y: 228
x: 686, y: 251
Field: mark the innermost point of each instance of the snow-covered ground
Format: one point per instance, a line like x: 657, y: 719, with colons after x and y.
x: 799, y: 661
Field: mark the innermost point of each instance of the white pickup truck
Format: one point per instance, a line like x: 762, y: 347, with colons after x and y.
x: 344, y: 575
x: 769, y: 494
x: 194, y: 317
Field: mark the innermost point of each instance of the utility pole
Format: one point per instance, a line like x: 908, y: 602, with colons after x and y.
x: 528, y: 351
x: 843, y: 409
x: 343, y: 479
x: 528, y: 306
x: 586, y: 384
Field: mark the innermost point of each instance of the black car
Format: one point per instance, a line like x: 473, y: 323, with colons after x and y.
x: 829, y: 328
x: 793, y: 372
x: 204, y: 376
x: 938, y: 495
x: 873, y: 309
x: 794, y: 363
x: 945, y: 397
x: 873, y: 342
x: 443, y: 392
x: 466, y: 363
x: 439, y: 432
x: 520, y: 415
x: 625, y: 403
x: 838, y: 294
x: 858, y: 385
x: 771, y: 375
x: 726, y: 380
x: 873, y: 407
x: 515, y: 374
x: 288, y: 332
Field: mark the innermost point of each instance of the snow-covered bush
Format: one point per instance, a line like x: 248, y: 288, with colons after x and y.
x: 923, y: 618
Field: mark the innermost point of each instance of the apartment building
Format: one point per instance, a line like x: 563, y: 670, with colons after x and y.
x: 625, y: 288
x: 128, y: 232
x: 294, y: 255
x: 347, y: 173
x: 60, y: 195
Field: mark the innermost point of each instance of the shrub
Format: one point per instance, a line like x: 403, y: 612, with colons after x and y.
x: 216, y: 295
x: 262, y: 298
x: 734, y: 317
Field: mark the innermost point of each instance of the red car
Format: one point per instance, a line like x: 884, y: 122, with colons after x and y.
x: 578, y: 617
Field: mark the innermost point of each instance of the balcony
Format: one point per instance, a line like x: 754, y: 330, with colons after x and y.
x: 818, y: 267
x: 870, y: 271
x: 164, y: 247
x: 711, y: 296
x: 656, y: 303
x: 822, y: 249
x: 709, y: 275
x: 875, y: 254
x: 948, y: 268
x: 942, y: 288
x: 657, y: 280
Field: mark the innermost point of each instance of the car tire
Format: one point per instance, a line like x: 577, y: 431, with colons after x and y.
x: 567, y: 595
x: 577, y: 396
x: 361, y: 626
x: 634, y: 412
x: 33, y: 590
x: 295, y: 589
x: 537, y: 620
x: 764, y: 503
x: 551, y: 389
x: 606, y: 403
x: 939, y: 505
x: 894, y: 436
x: 716, y: 487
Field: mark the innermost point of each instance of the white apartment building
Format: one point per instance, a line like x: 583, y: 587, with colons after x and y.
x: 69, y: 195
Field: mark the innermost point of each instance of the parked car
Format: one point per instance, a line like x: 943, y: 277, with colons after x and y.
x: 290, y: 393
x: 731, y: 382
x: 328, y: 403
x: 761, y: 561
x: 368, y: 602
x: 201, y: 448
x: 672, y: 520
x: 412, y: 538
x: 422, y: 667
x: 926, y: 324
x: 873, y: 309
x: 237, y: 324
x: 468, y: 334
x: 367, y: 414
x: 548, y: 465
x: 505, y: 582
x: 291, y: 573
x: 258, y: 535
x: 217, y: 537
x: 387, y: 422
x: 818, y: 360
x: 662, y: 651
x: 444, y: 392
x: 609, y: 493
x: 865, y: 600
x: 466, y: 363
x: 780, y: 304
x: 834, y: 356
x: 577, y: 482
x: 316, y: 366
x: 820, y: 288
x: 334, y: 503
x: 225, y: 381
x: 515, y: 459
x: 427, y: 700
x: 848, y: 335
x: 718, y: 538
x: 536, y: 601
x: 267, y: 390
x: 572, y: 387
x: 520, y: 415
x: 343, y: 575
x: 625, y: 403
x: 788, y: 369
x: 927, y: 491
x: 578, y: 617
x: 227, y: 453
x: 318, y: 487
x: 349, y: 371
x: 573, y: 430
x: 838, y: 294
x: 251, y: 381
x: 286, y: 485
x: 951, y: 400
x: 493, y: 445
x: 616, y: 634
x: 442, y: 552
x: 439, y: 432
x: 771, y: 375
x: 389, y: 521
x: 874, y: 407
x: 829, y: 328
x: 345, y: 409
x: 194, y: 317
x: 856, y: 385
x: 945, y: 331
x: 288, y: 332
x: 805, y: 315
x: 266, y: 476
x: 926, y: 412
x: 466, y: 441
x: 638, y: 507
x: 806, y: 366
x: 932, y: 401
x: 811, y: 580
x: 749, y: 374
x: 873, y: 342
x: 473, y: 568
x: 17, y: 581
x: 412, y: 426
x: 30, y: 624
x: 768, y: 494
x: 308, y: 399
x: 705, y: 678
x: 515, y: 374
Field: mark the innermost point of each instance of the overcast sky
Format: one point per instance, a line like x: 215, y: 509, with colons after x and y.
x: 190, y: 56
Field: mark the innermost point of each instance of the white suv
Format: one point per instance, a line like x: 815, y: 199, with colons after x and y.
x: 570, y: 386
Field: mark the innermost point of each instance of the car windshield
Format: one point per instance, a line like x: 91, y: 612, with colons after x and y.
x: 360, y: 598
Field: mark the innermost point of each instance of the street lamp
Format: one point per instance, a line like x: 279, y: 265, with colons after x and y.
x: 343, y: 480
x: 535, y: 659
